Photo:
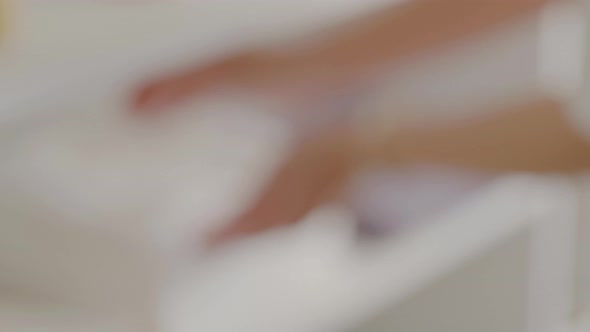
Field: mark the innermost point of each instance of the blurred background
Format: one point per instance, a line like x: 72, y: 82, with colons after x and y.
x: 104, y: 214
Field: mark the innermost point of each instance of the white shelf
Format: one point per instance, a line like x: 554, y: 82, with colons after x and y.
x: 313, y: 281
x: 332, y: 293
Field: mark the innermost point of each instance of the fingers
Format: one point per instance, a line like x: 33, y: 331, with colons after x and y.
x: 177, y: 89
x: 160, y: 95
x: 314, y: 175
x: 286, y: 200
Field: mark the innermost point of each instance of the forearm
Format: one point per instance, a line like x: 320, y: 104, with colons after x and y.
x: 418, y: 25
x: 535, y: 137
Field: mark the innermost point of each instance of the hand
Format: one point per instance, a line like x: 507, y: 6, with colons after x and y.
x: 289, y: 74
x: 315, y: 173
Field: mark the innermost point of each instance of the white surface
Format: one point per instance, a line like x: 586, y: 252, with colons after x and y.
x: 314, y: 282
x: 32, y: 316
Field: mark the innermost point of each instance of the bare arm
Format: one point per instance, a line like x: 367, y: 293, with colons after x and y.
x: 400, y: 31
x: 536, y: 137
x: 418, y: 25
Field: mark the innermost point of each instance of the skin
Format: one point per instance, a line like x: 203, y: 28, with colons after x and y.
x: 529, y: 137
x: 350, y: 52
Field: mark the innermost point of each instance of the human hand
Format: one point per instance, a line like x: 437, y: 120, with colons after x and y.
x: 315, y: 173
x: 292, y: 75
